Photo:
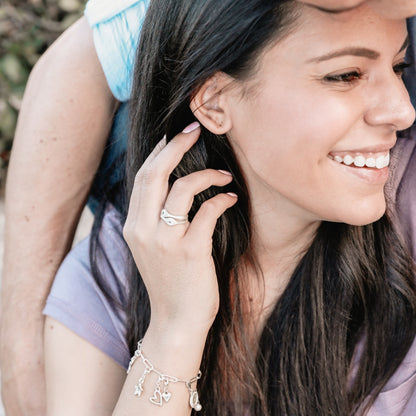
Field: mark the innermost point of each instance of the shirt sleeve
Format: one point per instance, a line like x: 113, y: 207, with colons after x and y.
x: 77, y: 301
x: 410, y: 74
x: 403, y: 184
x: 116, y: 27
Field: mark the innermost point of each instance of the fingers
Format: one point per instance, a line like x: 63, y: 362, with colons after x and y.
x: 151, y: 191
x: 158, y: 148
x: 151, y: 183
x: 172, y: 154
x: 206, y: 218
x: 181, y: 195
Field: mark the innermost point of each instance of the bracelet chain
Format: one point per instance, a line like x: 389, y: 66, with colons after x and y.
x: 161, y: 392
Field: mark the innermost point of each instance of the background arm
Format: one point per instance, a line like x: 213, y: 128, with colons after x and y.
x: 63, y: 126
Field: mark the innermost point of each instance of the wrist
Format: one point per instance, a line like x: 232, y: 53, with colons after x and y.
x: 174, y: 352
x: 169, y: 326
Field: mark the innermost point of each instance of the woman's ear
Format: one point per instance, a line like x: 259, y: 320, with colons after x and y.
x: 210, y: 103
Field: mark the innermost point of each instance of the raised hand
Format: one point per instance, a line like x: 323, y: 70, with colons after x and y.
x: 175, y: 261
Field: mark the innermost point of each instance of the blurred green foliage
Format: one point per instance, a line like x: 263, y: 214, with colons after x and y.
x: 27, y: 28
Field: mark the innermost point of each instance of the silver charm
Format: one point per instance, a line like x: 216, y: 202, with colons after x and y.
x: 138, y: 388
x: 193, y: 398
x: 166, y: 394
x: 156, y: 398
x: 159, y: 396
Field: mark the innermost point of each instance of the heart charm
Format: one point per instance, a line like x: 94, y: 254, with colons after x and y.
x: 156, y: 398
x: 166, y: 396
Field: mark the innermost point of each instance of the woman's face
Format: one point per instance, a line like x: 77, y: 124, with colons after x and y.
x: 314, y: 127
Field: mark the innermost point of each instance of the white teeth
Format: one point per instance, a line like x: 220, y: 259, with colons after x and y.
x: 370, y: 162
x: 348, y: 160
x: 360, y: 161
x: 380, y: 162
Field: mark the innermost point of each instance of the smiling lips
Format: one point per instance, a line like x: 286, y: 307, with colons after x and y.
x: 361, y: 161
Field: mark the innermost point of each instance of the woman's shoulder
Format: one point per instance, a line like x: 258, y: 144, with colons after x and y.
x: 401, y: 189
x: 402, y: 162
x: 398, y: 397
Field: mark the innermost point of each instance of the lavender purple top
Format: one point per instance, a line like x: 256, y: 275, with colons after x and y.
x: 78, y: 303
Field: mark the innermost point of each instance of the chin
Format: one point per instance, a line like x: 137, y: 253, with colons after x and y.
x: 364, y: 215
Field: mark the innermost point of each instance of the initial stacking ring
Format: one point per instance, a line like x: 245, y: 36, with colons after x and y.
x: 173, y: 219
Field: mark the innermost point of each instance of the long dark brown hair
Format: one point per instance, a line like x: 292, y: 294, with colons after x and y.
x: 353, y: 286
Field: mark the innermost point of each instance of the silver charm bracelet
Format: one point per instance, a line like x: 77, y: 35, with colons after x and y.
x: 161, y: 392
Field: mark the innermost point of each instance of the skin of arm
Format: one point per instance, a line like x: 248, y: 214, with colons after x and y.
x: 81, y: 380
x: 63, y: 126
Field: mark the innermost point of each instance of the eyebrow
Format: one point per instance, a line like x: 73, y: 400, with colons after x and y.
x: 355, y: 51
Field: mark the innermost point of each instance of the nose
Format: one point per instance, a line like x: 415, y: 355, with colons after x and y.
x: 390, y: 104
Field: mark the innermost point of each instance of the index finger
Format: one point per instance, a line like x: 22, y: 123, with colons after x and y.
x: 151, y: 186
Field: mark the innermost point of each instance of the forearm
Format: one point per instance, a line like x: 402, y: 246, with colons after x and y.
x: 63, y: 125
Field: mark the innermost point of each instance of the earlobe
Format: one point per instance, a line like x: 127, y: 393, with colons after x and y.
x: 210, y: 104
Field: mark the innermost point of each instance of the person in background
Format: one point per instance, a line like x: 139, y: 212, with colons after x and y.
x: 69, y: 103
x: 67, y: 113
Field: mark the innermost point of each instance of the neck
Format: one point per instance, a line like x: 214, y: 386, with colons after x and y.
x: 281, y: 235
x: 279, y: 242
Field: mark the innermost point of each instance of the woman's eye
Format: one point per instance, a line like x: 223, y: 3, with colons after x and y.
x: 347, y: 77
x: 399, y: 68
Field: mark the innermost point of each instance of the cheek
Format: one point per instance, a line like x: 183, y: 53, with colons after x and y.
x: 331, y: 114
x: 314, y: 122
x: 280, y: 131
x: 394, y: 9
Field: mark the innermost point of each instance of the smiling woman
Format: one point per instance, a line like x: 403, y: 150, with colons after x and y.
x: 267, y: 274
x: 345, y: 70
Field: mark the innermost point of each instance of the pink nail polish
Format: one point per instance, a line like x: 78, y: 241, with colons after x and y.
x: 225, y: 172
x: 191, y: 127
x: 232, y: 194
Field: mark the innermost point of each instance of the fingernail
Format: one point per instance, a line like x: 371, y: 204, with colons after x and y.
x: 232, y: 194
x: 225, y: 172
x: 191, y: 127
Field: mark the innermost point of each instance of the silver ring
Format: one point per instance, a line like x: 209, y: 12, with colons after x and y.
x: 173, y: 219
